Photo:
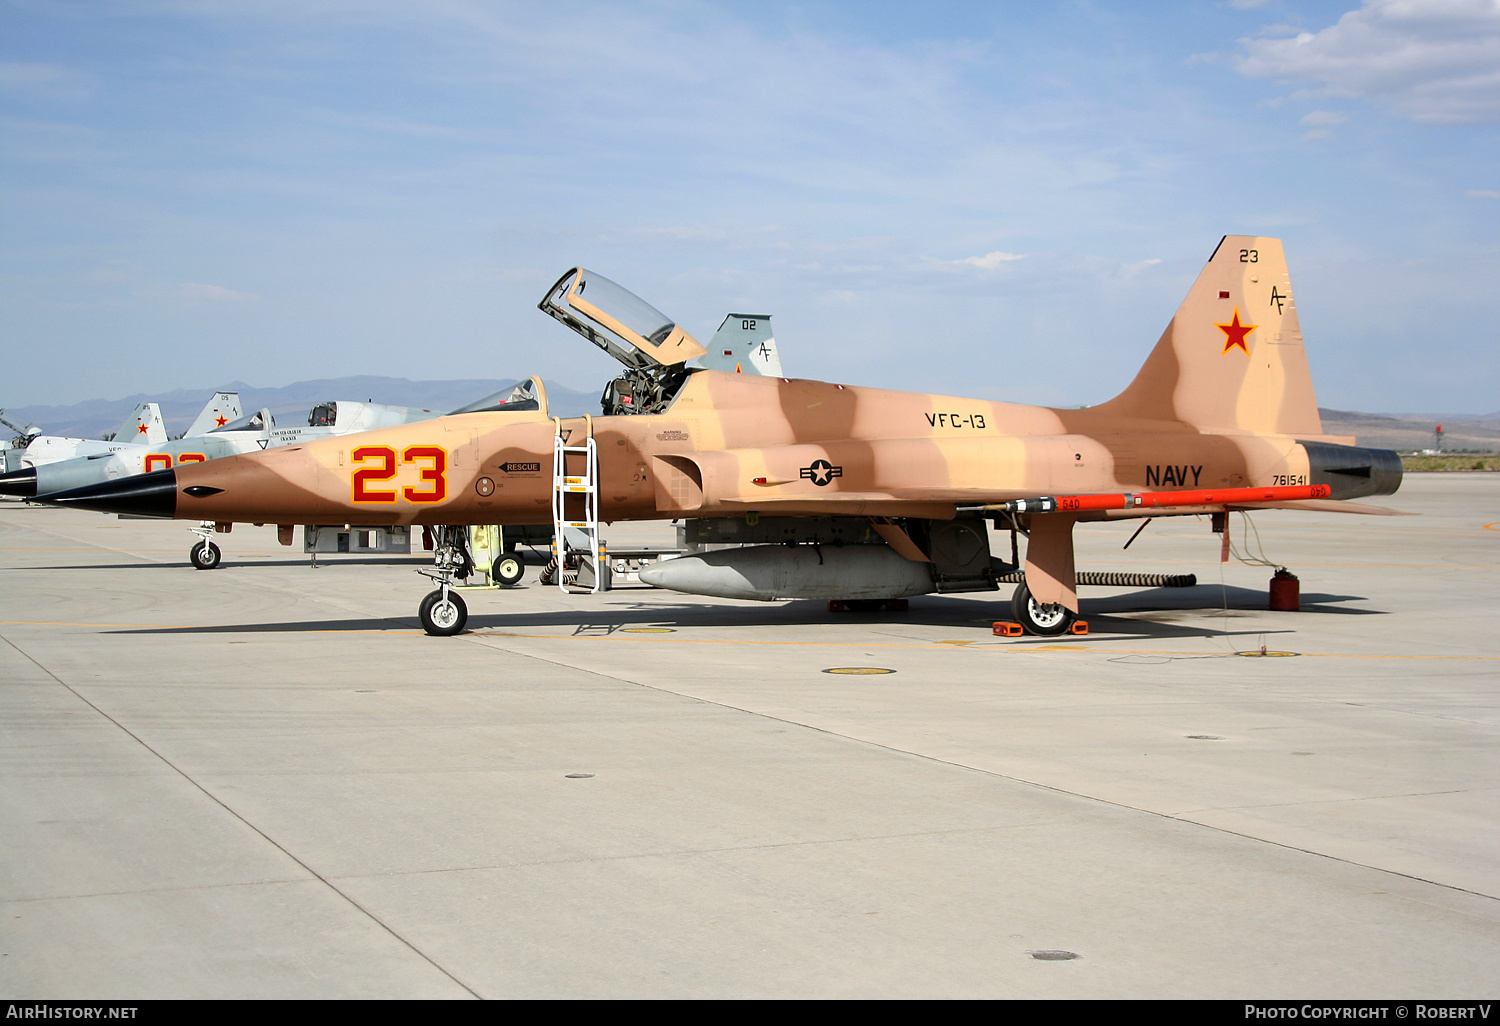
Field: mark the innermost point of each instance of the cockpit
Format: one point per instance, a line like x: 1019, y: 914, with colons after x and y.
x: 526, y: 396
x: 653, y: 349
x: 320, y: 415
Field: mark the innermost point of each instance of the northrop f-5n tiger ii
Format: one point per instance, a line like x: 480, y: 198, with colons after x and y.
x: 832, y: 491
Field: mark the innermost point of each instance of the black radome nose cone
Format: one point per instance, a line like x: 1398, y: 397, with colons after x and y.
x: 144, y: 495
x: 19, y: 482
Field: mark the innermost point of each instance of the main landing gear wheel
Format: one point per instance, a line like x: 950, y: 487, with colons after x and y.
x: 205, y: 555
x: 443, y: 617
x: 508, y: 570
x: 1048, y: 620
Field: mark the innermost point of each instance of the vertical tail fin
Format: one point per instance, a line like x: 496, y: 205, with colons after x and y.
x: 143, y: 425
x: 744, y: 344
x: 221, y: 409
x: 1232, y: 358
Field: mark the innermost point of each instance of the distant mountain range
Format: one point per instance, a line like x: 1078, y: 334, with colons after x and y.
x: 98, y: 416
x: 1414, y: 431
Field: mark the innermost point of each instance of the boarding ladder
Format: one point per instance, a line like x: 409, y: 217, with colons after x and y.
x: 575, y: 536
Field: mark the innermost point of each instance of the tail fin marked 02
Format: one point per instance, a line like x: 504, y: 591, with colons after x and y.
x: 1232, y: 359
x: 744, y: 344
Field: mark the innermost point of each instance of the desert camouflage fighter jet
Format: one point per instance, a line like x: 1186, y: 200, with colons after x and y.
x: 833, y: 491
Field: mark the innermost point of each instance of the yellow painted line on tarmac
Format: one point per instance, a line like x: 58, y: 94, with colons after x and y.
x: 89, y: 548
x: 947, y: 646
x: 125, y: 551
x: 1414, y: 566
x: 951, y: 647
x: 202, y: 628
x: 1299, y: 563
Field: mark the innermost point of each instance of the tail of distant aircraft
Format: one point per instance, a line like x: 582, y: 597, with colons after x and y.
x: 1232, y: 358
x: 744, y: 344
x: 143, y: 425
x: 221, y: 409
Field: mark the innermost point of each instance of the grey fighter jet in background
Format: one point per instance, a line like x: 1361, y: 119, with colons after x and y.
x: 220, y: 430
x: 144, y: 426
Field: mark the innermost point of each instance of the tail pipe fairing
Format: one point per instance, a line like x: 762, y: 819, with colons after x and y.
x: 1351, y: 472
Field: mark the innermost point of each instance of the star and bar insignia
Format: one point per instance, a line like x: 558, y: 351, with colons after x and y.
x: 821, y: 472
x: 1235, y: 332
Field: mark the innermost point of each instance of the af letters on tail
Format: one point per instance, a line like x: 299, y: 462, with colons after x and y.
x: 1221, y: 416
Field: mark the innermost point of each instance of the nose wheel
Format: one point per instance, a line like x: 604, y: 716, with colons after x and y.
x: 205, y: 555
x: 443, y: 613
x: 1047, y: 619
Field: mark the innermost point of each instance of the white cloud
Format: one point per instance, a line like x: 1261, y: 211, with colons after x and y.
x: 989, y: 261
x: 193, y: 290
x: 1482, y: 194
x: 1320, y: 123
x: 1434, y: 61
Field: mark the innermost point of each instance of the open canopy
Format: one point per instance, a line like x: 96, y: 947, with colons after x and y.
x: 618, y: 321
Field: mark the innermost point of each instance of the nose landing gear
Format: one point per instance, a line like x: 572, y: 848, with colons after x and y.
x: 443, y: 612
x: 205, y: 555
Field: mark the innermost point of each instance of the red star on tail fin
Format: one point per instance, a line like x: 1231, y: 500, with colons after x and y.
x: 1235, y: 332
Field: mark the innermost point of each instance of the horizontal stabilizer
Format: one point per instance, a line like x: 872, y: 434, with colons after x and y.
x: 1327, y: 506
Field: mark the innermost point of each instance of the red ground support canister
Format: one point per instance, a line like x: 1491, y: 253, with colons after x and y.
x: 1286, y: 592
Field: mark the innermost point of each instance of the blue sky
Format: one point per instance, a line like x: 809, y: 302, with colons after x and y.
x: 997, y: 200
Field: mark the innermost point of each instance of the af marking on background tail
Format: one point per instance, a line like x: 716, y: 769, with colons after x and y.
x: 223, y: 408
x: 744, y: 344
x: 1232, y: 359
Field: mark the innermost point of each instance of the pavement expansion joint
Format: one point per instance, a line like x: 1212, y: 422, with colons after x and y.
x: 211, y: 796
x: 185, y: 889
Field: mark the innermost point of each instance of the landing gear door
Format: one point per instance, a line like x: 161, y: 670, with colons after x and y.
x: 618, y: 321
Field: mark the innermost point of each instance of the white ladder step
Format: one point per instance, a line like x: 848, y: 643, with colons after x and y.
x: 590, y: 548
